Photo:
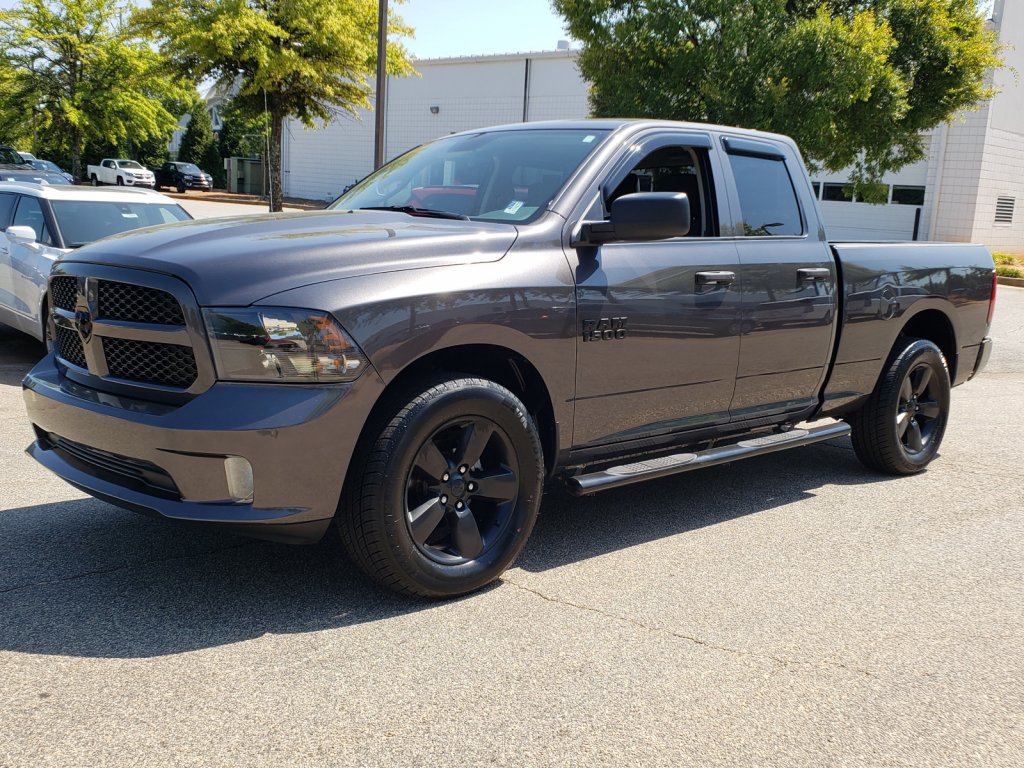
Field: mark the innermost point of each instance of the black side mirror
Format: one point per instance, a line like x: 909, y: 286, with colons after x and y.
x: 641, y: 216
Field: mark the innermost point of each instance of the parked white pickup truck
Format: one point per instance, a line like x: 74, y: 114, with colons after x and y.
x: 123, y: 173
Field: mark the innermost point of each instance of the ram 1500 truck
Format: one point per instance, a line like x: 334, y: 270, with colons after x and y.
x: 601, y: 302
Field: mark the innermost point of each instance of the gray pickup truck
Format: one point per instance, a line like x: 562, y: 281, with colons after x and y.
x: 598, y: 302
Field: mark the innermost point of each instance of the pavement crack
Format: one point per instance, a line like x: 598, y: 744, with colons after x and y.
x: 654, y: 628
x: 121, y: 567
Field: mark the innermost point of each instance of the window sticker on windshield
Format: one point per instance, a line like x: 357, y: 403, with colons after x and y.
x: 127, y: 213
x: 513, y: 207
x: 589, y: 138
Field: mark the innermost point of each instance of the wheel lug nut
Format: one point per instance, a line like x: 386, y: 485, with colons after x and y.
x: 471, y: 487
x: 444, y: 478
x: 444, y: 499
x: 463, y: 469
x: 459, y: 505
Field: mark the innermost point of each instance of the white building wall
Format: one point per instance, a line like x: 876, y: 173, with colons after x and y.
x: 449, y: 96
x: 958, y: 176
x: 1002, y: 175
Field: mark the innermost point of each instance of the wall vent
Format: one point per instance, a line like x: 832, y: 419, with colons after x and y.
x: 1004, y: 209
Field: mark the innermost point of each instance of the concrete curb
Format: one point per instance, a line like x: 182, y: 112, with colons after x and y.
x: 1016, y: 282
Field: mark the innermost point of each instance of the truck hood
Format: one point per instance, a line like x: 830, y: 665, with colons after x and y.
x: 238, y: 260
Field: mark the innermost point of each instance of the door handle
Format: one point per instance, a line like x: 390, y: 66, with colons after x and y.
x: 813, y: 275
x: 715, y: 278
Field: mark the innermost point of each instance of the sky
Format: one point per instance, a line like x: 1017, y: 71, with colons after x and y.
x: 467, y: 27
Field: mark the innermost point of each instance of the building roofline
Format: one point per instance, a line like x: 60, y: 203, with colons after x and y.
x: 489, y: 57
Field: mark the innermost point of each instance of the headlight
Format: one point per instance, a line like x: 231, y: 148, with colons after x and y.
x: 280, y: 344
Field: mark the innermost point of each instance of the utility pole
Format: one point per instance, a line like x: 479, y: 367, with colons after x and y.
x: 380, y: 105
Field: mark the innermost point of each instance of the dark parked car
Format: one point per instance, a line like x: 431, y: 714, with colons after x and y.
x: 601, y: 302
x: 182, y: 176
x: 51, y: 167
x: 9, y: 156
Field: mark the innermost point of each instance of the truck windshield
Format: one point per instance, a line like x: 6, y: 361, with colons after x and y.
x: 506, y: 176
x: 128, y: 164
x: 83, y: 221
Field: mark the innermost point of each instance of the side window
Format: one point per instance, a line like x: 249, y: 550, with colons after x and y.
x: 30, y: 214
x: 6, y: 208
x: 674, y: 169
x: 767, y: 198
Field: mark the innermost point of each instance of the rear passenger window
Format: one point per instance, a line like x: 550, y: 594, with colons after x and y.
x: 767, y: 198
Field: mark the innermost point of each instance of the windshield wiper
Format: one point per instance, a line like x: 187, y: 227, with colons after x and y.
x: 412, y: 210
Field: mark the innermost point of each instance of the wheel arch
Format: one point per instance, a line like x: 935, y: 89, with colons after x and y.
x: 935, y: 326
x: 494, y: 362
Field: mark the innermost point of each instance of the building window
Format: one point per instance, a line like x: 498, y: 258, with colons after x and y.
x: 907, y: 195
x: 1004, y: 209
x: 837, y: 192
x: 816, y: 186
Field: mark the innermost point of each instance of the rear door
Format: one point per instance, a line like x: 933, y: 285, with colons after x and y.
x: 658, y: 341
x: 30, y: 264
x: 789, y: 282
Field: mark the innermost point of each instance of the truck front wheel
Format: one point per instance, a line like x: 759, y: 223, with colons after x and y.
x: 446, y: 492
x: 900, y: 427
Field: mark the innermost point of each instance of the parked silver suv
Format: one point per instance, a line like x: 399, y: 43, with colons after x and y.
x: 40, y: 222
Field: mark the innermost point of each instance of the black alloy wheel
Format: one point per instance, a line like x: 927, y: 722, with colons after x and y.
x: 900, y: 427
x: 461, y: 491
x: 442, y: 494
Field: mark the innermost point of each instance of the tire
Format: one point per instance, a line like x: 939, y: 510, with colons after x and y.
x: 181, y: 188
x: 899, y: 429
x: 447, y: 490
x: 94, y: 181
x: 120, y: 181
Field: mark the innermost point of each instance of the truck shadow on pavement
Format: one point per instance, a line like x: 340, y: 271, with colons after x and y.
x: 83, y: 578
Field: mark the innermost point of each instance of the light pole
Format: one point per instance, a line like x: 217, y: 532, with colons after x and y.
x: 380, y: 106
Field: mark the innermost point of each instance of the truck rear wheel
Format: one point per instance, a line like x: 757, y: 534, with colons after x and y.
x: 447, y: 492
x: 94, y: 181
x: 900, y: 427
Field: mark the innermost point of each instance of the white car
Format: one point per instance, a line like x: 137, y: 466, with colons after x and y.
x: 123, y: 173
x: 40, y: 222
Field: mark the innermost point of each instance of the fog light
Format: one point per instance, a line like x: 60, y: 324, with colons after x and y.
x: 238, y: 472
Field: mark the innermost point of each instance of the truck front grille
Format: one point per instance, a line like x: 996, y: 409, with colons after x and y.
x: 136, y: 335
x: 169, y: 365
x: 138, y: 304
x: 63, y: 293
x: 69, y: 347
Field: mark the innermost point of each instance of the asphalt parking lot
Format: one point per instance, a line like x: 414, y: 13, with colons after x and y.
x: 792, y: 610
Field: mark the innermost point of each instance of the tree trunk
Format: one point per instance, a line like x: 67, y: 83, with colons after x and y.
x: 76, y: 153
x: 276, y: 127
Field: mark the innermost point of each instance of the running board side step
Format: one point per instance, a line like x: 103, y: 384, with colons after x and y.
x: 649, y: 469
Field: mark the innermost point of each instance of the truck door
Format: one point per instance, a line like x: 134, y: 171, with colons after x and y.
x: 658, y: 335
x: 789, y: 283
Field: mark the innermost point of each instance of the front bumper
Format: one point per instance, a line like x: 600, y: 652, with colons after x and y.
x: 180, y: 462
x: 139, y: 183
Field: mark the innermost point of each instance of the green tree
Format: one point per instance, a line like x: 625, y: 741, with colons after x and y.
x: 854, y: 82
x: 198, y: 144
x: 310, y: 59
x: 72, y: 74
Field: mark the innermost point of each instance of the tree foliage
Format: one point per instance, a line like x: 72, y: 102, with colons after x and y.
x: 310, y: 59
x: 199, y: 145
x: 855, y: 82
x: 72, y: 75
